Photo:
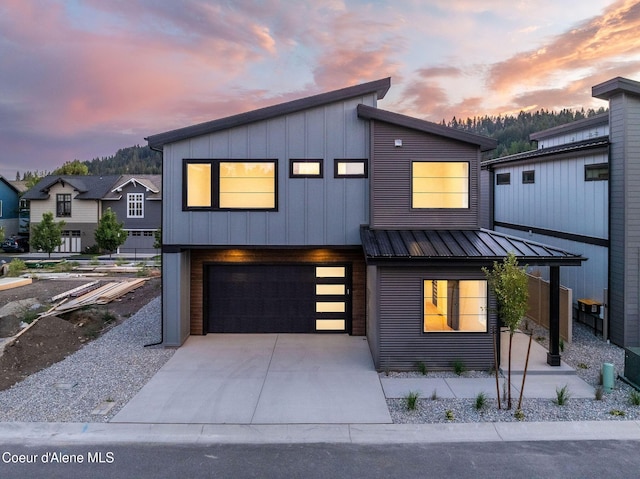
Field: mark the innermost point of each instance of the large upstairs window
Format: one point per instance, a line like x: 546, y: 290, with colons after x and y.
x: 135, y: 205
x: 229, y: 184
x: 440, y: 184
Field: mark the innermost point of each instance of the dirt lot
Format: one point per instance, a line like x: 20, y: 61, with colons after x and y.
x: 53, y: 338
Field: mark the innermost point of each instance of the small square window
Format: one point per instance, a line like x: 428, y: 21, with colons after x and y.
x: 503, y: 179
x: 305, y: 168
x: 528, y: 177
x: 597, y: 172
x: 350, y: 168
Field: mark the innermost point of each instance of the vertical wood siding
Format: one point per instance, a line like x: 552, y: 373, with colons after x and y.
x: 391, y: 179
x: 326, y: 211
x: 400, y: 324
x: 353, y: 257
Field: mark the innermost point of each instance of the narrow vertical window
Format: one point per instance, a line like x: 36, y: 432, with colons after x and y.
x: 135, y: 205
x: 63, y: 204
x: 198, y: 185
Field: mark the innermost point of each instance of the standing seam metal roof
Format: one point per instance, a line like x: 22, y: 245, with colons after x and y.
x: 460, y: 246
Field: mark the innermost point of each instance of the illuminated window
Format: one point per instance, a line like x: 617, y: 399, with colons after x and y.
x: 305, y: 168
x: 135, y: 205
x: 440, y: 184
x: 455, y: 306
x: 229, y: 185
x: 350, y: 168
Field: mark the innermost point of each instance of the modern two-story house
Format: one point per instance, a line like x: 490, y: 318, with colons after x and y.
x: 80, y: 200
x: 329, y: 215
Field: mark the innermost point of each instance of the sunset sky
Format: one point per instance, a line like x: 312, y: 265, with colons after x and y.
x: 80, y: 79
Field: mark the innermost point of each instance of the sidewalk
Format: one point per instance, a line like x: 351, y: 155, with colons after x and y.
x: 110, y: 433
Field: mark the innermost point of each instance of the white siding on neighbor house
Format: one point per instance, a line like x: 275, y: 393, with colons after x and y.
x: 310, y: 211
x: 559, y: 200
x: 573, y: 136
x: 587, y: 281
x: 82, y: 211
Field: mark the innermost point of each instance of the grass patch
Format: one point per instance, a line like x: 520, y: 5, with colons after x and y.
x: 617, y: 412
x: 519, y: 415
x: 448, y: 414
x: 422, y: 367
x: 599, y: 393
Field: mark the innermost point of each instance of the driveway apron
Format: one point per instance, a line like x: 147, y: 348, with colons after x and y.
x: 263, y: 379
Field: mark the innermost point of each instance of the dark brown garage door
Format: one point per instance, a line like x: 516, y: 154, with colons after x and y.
x: 291, y: 298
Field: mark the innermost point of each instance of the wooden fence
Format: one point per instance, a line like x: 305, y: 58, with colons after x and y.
x: 538, y: 310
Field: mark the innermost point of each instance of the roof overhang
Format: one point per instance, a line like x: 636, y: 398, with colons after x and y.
x: 370, y: 113
x: 380, y: 87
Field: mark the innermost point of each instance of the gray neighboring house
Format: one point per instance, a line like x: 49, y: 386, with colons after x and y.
x: 137, y: 202
x: 579, y: 190
x: 80, y: 200
x: 329, y: 215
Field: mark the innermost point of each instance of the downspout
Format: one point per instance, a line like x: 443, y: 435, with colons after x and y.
x: 161, y: 249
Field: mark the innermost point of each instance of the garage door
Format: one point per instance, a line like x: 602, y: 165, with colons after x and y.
x: 292, y: 298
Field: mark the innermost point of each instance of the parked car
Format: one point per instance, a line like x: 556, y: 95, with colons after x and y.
x: 15, y: 245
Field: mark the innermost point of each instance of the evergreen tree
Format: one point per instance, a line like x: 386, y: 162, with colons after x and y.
x: 109, y: 235
x: 46, y: 235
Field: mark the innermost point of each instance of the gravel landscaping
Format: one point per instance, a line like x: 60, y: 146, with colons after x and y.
x: 105, y: 373
x: 586, y: 354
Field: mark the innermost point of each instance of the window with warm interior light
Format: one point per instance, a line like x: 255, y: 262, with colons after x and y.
x: 454, y: 305
x: 350, y: 168
x: 229, y: 184
x: 305, y: 168
x: 440, y: 184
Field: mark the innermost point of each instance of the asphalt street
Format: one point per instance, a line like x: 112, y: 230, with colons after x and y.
x: 550, y: 459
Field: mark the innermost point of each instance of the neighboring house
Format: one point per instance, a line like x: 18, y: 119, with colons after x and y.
x: 9, y: 207
x: 80, y: 200
x: 137, y: 202
x: 328, y: 215
x: 578, y: 191
x: 23, y: 208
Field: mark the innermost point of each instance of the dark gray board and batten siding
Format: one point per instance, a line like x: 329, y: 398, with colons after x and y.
x: 390, y: 174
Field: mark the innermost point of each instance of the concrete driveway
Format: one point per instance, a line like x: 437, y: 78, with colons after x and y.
x: 263, y: 379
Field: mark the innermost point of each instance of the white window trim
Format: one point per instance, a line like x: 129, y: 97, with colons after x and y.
x: 132, y: 200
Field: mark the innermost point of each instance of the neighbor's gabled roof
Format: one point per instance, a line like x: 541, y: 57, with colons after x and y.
x: 461, y: 246
x: 378, y: 86
x: 88, y: 187
x: 371, y: 113
x: 152, y: 183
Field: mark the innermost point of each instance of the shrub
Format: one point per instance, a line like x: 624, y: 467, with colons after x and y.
x: 422, y: 367
x: 617, y: 412
x: 634, y: 398
x: 480, y: 401
x: 411, y: 400
x: 458, y: 367
x: 16, y: 267
x: 562, y: 395
x: 519, y: 415
x: 448, y: 414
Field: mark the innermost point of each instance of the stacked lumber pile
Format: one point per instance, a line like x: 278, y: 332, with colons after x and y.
x: 102, y: 295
